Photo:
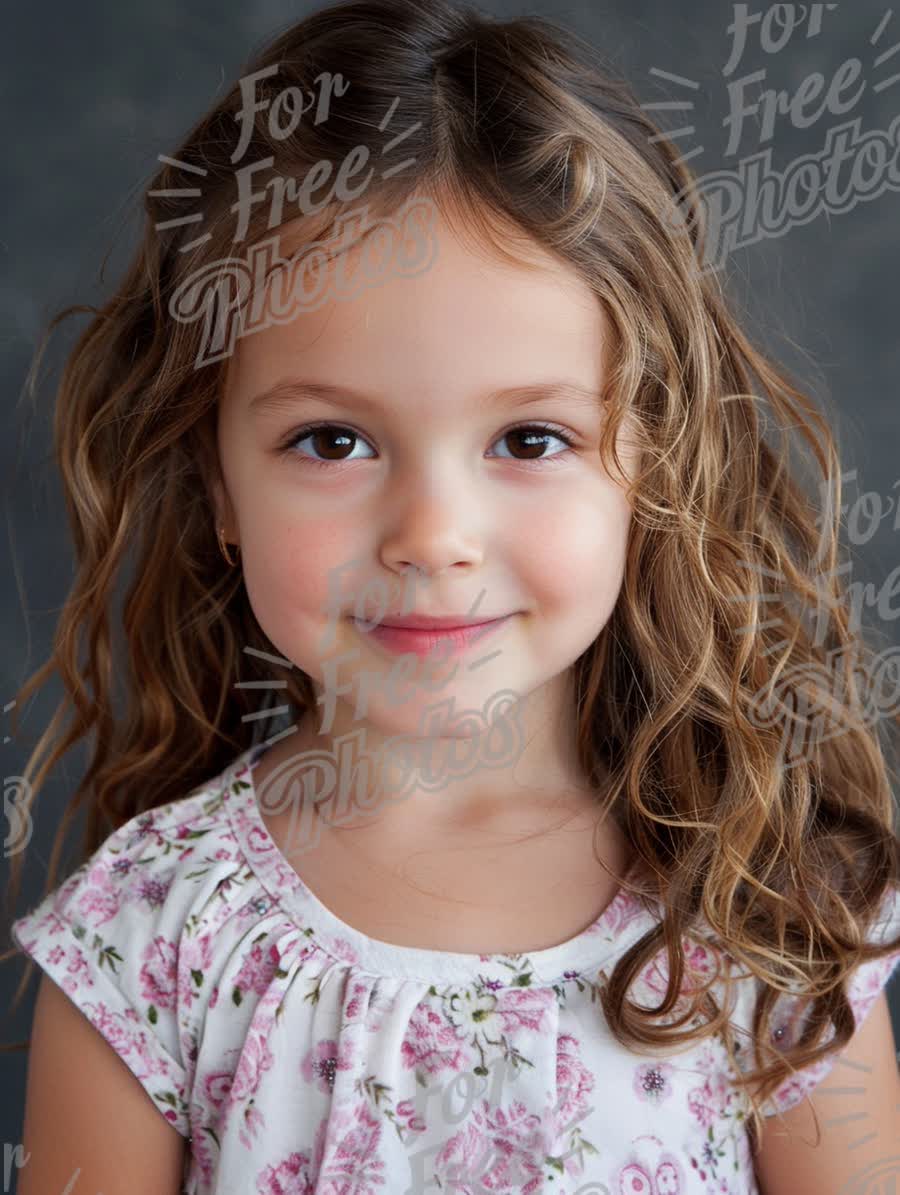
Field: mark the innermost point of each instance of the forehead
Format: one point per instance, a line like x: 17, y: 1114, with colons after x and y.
x: 467, y: 316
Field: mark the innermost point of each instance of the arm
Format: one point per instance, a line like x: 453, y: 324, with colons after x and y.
x: 89, y: 1125
x: 859, y: 1121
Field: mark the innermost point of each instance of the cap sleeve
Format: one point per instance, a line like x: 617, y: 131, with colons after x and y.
x: 108, y: 936
x: 789, y: 1014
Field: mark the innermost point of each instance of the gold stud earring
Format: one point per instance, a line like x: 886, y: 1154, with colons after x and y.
x: 223, y: 547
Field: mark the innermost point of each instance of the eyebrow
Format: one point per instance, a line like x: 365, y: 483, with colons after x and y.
x: 287, y: 392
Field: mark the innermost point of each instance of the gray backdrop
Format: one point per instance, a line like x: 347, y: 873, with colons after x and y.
x: 94, y: 92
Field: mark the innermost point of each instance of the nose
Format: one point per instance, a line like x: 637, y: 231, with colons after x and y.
x: 432, y: 527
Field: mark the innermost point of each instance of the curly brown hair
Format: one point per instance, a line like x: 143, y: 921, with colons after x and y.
x: 688, y: 696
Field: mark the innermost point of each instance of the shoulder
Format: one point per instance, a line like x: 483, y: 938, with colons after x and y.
x: 844, y: 1135
x: 865, y: 989
x: 142, y: 876
x: 122, y: 936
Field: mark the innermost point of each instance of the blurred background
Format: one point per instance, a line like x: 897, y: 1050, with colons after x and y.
x: 94, y: 93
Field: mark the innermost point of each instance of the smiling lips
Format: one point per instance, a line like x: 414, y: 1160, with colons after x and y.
x: 420, y: 635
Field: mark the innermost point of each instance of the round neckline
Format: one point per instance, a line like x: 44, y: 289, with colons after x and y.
x: 587, y: 950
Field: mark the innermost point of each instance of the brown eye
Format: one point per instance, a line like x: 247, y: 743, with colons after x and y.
x: 332, y: 444
x: 329, y: 442
x: 531, y: 440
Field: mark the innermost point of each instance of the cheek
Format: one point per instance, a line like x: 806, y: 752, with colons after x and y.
x: 576, y: 557
x: 299, y: 575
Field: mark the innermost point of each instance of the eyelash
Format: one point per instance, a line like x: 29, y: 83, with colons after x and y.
x: 288, y: 449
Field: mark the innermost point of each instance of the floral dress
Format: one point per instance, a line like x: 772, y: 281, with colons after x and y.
x: 298, y: 1056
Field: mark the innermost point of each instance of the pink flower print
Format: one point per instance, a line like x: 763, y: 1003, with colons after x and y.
x: 190, y: 1049
x: 153, y: 890
x: 56, y: 955
x: 668, y: 1178
x: 699, y: 961
x: 431, y: 1045
x: 573, y: 1082
x: 351, y: 1161
x: 257, y: 971
x: 405, y: 1113
x: 101, y: 897
x: 341, y: 949
x: 702, y: 958
x: 524, y: 1008
x: 222, y: 853
x: 321, y: 1064
x: 868, y: 982
x: 617, y: 915
x: 651, y: 1082
x: 634, y: 1180
x: 159, y: 974
x: 259, y: 839
x: 214, y: 997
x: 51, y: 923
x: 711, y: 1101
x: 202, y: 1152
x: 144, y: 825
x: 195, y: 959
x: 308, y: 952
x: 112, y: 1026
x: 499, y: 1149
x: 256, y: 1058
x: 700, y: 1104
x: 77, y: 970
x: 290, y: 1177
x: 251, y: 1124
x: 354, y: 1004
x: 284, y: 877
x: 97, y: 874
x: 791, y: 1092
x: 217, y: 1086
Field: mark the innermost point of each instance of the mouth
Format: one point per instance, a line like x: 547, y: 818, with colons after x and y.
x: 422, y: 639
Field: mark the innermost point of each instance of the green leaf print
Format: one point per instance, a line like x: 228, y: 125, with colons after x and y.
x: 111, y: 956
x: 213, y: 804
x: 376, y: 1091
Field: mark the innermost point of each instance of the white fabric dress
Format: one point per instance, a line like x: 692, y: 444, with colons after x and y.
x: 300, y: 1057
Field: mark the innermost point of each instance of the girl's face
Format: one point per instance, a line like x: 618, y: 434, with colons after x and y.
x: 429, y: 491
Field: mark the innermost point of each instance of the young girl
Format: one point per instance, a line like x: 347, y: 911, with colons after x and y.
x: 473, y: 806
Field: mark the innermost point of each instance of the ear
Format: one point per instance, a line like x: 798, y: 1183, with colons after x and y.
x: 222, y: 509
x: 211, y: 473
